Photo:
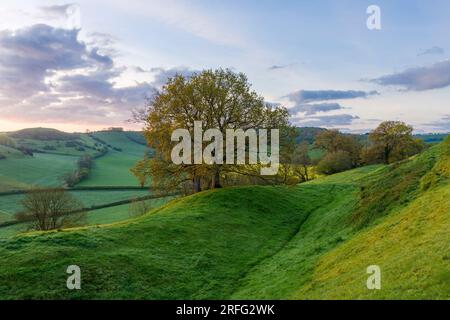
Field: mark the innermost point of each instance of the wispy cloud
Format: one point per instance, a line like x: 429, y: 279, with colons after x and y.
x: 188, y: 17
x: 161, y: 75
x: 310, y: 109
x: 441, y: 125
x: 306, y: 96
x: 280, y: 66
x: 419, y: 78
x: 327, y: 121
x: 432, y: 51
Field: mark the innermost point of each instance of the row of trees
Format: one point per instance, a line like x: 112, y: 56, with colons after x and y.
x: 84, y: 166
x: 391, y: 141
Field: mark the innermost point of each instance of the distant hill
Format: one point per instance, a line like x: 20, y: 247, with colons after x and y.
x: 308, y: 134
x: 43, y: 134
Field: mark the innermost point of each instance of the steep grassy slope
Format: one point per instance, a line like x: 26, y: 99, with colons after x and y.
x: 411, y: 246
x: 259, y: 242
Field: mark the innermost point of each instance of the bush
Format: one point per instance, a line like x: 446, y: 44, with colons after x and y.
x: 7, y: 141
x: 335, y: 162
x: 85, y: 164
x: 26, y: 151
x: 49, y: 209
x: 49, y: 148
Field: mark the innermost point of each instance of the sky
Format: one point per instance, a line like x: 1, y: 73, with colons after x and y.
x: 87, y: 64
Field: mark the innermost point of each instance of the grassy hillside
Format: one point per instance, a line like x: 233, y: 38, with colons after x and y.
x: 113, y: 169
x: 310, y: 241
x: 40, y: 170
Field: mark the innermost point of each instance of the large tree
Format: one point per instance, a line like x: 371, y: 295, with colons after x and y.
x: 394, y: 141
x: 222, y: 100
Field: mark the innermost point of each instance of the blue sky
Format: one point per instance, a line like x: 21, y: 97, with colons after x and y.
x: 317, y: 58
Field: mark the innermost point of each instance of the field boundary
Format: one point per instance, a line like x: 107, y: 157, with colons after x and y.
x: 97, y: 207
x: 86, y: 188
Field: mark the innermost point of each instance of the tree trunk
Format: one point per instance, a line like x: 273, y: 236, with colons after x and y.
x: 196, y: 184
x: 216, y: 180
x: 387, y: 153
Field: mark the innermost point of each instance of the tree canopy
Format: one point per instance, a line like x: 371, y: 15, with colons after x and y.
x: 221, y: 99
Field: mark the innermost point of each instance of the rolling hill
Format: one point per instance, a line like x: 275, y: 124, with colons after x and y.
x: 314, y: 240
x: 40, y: 157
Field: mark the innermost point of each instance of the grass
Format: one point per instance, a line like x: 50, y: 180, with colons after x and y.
x: 41, y: 169
x: 113, y: 169
x: 10, y: 204
x: 411, y: 247
x: 258, y: 242
x: 93, y: 217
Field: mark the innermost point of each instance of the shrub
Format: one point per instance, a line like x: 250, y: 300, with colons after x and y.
x: 7, y: 141
x: 335, y: 162
x: 50, y: 209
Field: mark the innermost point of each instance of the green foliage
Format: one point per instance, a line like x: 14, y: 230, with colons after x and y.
x: 393, y: 141
x: 308, y: 134
x: 220, y: 99
x: 5, y: 140
x: 335, y: 162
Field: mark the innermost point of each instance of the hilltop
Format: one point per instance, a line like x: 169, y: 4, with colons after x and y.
x: 314, y: 240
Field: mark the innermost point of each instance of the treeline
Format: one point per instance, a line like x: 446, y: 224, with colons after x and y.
x: 104, y: 143
x: 390, y: 142
x: 84, y: 166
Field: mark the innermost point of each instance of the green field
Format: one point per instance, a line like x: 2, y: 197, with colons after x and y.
x: 40, y: 170
x: 113, y: 169
x: 94, y: 217
x: 55, y: 153
x: 10, y: 204
x: 314, y: 240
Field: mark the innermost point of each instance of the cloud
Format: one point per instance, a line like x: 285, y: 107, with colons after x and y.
x: 29, y: 55
x: 432, y: 51
x: 310, y: 109
x: 441, y: 125
x: 326, y: 121
x: 420, y: 78
x: 306, y: 96
x: 277, y: 67
x: 47, y: 74
x: 57, y: 11
x: 189, y: 17
x: 162, y: 75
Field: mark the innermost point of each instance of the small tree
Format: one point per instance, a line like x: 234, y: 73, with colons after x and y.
x: 50, y: 209
x: 139, y: 207
x: 302, y: 161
